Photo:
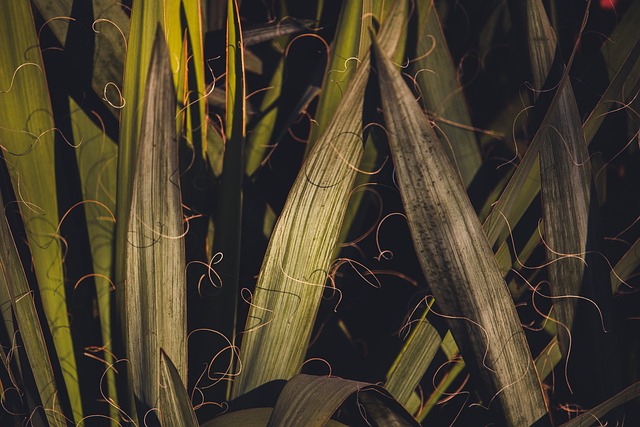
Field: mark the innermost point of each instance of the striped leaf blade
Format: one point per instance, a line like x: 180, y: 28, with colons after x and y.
x: 443, y: 96
x: 594, y: 415
x: 228, y: 220
x: 155, y: 287
x: 621, y: 55
x: 341, y: 67
x: 111, y: 27
x: 415, y: 358
x: 183, y: 30
x: 292, y: 276
x: 577, y: 276
x: 456, y: 258
x: 145, y: 17
x: 262, y: 133
x: 175, y: 405
x: 310, y: 401
x: 625, y: 267
x: 27, y: 136
x: 97, y: 158
x: 14, y: 282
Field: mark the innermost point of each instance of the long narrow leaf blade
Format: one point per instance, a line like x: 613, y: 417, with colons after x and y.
x: 342, y: 65
x: 457, y: 260
x: 27, y: 138
x: 443, y: 95
x: 592, y: 417
x: 572, y: 238
x: 155, y: 258
x: 228, y: 221
x: 145, y: 16
x: 12, y: 278
x: 175, y: 405
x: 310, y: 401
x: 254, y: 417
x: 414, y: 360
x: 111, y: 27
x: 627, y: 264
x: 292, y: 277
x: 97, y: 162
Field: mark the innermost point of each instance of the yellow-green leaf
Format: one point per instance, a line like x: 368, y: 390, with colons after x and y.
x: 442, y: 94
x: 417, y: 353
x: 293, y: 273
x: 342, y: 64
x: 14, y: 282
x: 593, y: 416
x: 27, y: 136
x: 97, y: 158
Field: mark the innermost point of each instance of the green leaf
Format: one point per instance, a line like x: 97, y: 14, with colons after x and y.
x: 548, y: 358
x: 155, y: 289
x: 183, y: 31
x: 97, y: 158
x: 414, y: 359
x: 228, y: 221
x: 341, y: 67
x: 261, y: 135
x: 456, y: 258
x: 145, y: 17
x: 310, y: 401
x: 175, y: 405
x: 293, y: 273
x: 111, y: 28
x: 14, y: 282
x: 626, y: 266
x: 621, y: 51
x: 442, y: 94
x: 592, y: 417
x: 27, y: 137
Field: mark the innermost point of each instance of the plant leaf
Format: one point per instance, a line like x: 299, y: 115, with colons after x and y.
x: 592, y: 416
x: 625, y: 267
x: 27, y: 137
x: 292, y: 277
x: 465, y: 279
x: 269, y: 31
x: 111, y: 28
x: 548, y: 358
x: 155, y: 293
x: 261, y: 135
x: 572, y: 237
x: 145, y: 17
x: 624, y: 86
x: 442, y: 93
x: 310, y: 401
x: 254, y: 417
x: 342, y: 65
x: 13, y: 280
x: 417, y: 353
x: 183, y: 31
x: 175, y: 405
x: 228, y: 221
x: 97, y: 158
